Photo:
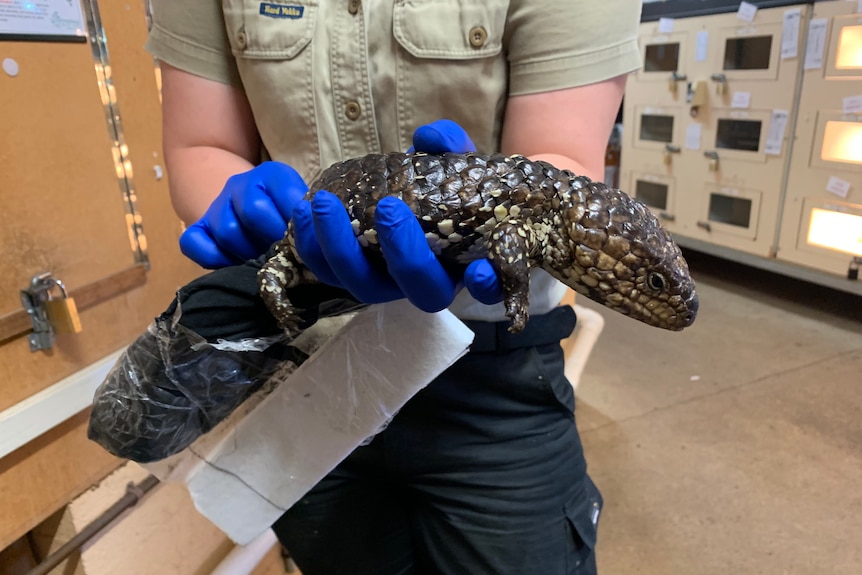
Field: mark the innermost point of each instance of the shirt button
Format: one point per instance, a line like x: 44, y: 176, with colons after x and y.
x: 352, y: 110
x: 478, y: 35
x: 353, y: 6
x: 241, y: 39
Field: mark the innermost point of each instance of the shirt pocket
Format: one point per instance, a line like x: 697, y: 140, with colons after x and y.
x: 450, y: 29
x: 269, y: 30
x: 451, y: 64
x: 273, y: 46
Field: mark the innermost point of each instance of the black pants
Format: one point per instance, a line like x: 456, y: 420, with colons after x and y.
x: 481, y: 473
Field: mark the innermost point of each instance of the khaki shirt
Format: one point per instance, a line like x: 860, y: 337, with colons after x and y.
x: 329, y: 80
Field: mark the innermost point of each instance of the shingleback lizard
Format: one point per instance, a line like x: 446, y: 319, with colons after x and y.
x: 519, y: 214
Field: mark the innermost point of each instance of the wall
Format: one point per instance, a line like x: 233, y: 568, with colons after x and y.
x: 65, y: 212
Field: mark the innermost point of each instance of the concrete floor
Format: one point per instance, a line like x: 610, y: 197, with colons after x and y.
x: 734, y: 447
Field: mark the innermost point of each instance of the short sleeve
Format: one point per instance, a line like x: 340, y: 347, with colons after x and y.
x: 191, y: 35
x: 557, y: 44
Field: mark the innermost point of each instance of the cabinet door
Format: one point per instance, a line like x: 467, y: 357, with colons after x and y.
x: 72, y: 126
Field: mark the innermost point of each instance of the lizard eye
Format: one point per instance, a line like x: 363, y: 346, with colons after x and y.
x: 656, y: 281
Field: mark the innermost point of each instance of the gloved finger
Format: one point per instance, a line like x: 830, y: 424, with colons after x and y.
x: 284, y: 186
x: 344, y: 254
x: 231, y: 237
x: 410, y: 261
x: 260, y: 220
x: 263, y: 200
x: 307, y: 245
x: 442, y: 136
x: 197, y: 245
x: 482, y: 282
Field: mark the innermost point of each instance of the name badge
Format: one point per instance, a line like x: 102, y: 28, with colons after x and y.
x: 281, y: 10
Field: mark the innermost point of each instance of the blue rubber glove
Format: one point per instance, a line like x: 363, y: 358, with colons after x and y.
x: 441, y: 136
x: 247, y: 217
x: 327, y: 245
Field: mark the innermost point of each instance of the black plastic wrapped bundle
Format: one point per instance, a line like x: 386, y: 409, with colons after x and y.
x: 214, y: 346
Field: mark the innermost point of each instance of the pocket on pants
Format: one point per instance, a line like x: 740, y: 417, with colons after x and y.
x: 582, y: 523
x: 551, y: 363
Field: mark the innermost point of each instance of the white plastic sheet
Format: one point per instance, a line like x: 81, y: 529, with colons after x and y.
x: 247, y: 471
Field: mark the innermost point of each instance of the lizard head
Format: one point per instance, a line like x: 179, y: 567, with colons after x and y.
x: 623, y: 258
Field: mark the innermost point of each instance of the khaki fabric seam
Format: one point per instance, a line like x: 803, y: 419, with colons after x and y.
x: 603, y: 52
x: 538, y: 75
x: 191, y: 57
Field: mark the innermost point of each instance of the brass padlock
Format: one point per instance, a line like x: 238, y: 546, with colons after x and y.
x: 720, y: 83
x: 712, y: 155
x: 668, y: 152
x: 62, y: 312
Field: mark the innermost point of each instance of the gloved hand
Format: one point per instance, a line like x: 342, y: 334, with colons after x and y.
x: 327, y: 245
x: 250, y: 213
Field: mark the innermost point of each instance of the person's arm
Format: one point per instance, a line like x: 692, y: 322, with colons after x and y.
x: 235, y: 207
x: 568, y: 128
x: 209, y: 136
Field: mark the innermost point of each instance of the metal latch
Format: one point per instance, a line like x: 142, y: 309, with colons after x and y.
x: 49, y: 314
x: 668, y: 150
x: 853, y: 270
x: 675, y: 77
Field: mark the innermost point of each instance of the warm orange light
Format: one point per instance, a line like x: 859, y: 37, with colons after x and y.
x: 842, y: 142
x: 836, y: 230
x: 849, y: 48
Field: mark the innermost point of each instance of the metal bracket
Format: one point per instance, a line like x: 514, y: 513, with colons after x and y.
x: 34, y: 298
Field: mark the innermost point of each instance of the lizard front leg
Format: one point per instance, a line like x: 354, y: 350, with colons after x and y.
x: 280, y: 272
x: 510, y: 249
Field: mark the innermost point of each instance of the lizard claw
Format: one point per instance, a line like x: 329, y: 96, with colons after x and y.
x: 517, y: 311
